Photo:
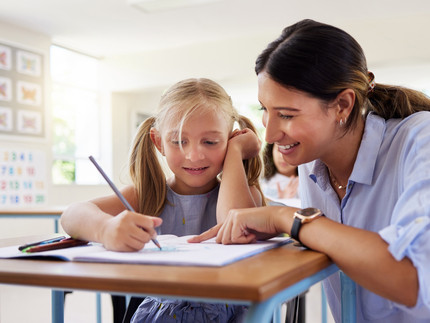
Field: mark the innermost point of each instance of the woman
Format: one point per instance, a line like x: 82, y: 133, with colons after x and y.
x: 362, y: 148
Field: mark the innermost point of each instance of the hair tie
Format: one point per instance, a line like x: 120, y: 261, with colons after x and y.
x: 371, y: 78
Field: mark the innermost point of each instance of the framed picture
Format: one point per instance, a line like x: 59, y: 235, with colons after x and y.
x: 22, y: 103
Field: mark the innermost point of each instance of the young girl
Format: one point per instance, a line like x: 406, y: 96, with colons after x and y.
x: 280, y: 180
x: 193, y: 130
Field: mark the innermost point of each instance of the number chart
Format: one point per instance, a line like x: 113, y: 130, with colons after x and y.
x: 22, y: 177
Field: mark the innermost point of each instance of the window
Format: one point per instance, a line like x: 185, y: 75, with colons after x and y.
x: 77, y: 116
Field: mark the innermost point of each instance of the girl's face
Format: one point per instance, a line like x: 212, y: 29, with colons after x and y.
x: 297, y: 123
x: 281, y: 165
x: 204, y: 140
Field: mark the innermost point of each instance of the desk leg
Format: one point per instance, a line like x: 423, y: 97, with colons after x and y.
x: 99, y: 307
x: 263, y: 312
x: 57, y: 306
x: 56, y: 225
x: 348, y: 299
x: 323, y: 305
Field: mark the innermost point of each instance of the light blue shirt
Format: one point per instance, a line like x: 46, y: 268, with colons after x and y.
x: 388, y: 192
x: 188, y: 214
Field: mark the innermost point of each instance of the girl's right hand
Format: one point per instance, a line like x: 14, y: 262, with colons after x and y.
x: 129, y: 231
x: 247, y: 141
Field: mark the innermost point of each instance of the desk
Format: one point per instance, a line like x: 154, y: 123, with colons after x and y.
x: 47, y: 213
x: 263, y: 281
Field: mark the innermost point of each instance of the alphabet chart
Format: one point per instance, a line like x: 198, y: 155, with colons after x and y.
x: 22, y: 177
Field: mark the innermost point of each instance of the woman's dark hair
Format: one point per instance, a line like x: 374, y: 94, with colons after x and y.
x: 323, y: 60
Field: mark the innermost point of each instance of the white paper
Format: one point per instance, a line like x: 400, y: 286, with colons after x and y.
x: 174, y: 251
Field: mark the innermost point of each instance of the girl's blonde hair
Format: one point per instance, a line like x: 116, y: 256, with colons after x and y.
x: 181, y: 100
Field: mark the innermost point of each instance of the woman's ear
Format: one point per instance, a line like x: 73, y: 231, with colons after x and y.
x: 345, y: 101
x: 156, y: 140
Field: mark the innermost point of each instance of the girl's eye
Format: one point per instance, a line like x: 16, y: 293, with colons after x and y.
x: 178, y: 142
x: 210, y: 142
x: 262, y: 108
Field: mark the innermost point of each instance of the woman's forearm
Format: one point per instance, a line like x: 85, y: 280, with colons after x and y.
x: 363, y: 256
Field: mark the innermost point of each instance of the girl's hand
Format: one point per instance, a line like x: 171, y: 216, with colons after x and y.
x: 247, y: 141
x: 248, y: 225
x: 290, y: 189
x: 129, y: 231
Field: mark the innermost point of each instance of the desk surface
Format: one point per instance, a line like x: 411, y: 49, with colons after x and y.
x: 253, y: 279
x: 55, y: 210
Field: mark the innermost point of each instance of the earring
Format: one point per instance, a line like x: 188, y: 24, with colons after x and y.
x: 341, y: 123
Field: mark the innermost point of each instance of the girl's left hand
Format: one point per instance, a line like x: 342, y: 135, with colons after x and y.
x: 247, y: 141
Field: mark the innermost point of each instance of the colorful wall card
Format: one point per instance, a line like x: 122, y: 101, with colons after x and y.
x: 5, y: 57
x: 29, y: 122
x: 22, y: 177
x: 28, y: 63
x: 5, y: 89
x: 28, y: 93
x: 5, y: 119
x: 22, y: 111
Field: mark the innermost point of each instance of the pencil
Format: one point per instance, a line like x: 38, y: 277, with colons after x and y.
x: 118, y: 193
x: 39, y: 243
x: 65, y: 243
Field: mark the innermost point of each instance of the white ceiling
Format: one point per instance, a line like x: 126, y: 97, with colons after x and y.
x: 389, y: 30
x: 112, y: 27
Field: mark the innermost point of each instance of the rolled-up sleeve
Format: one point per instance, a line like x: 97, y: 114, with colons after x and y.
x: 413, y: 241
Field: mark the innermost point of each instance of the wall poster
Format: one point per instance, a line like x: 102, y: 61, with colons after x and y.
x: 22, y: 177
x: 21, y: 92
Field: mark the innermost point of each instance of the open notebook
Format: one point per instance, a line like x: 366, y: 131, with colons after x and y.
x: 175, y: 251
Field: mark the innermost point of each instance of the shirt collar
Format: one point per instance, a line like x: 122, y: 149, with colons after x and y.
x: 365, y: 162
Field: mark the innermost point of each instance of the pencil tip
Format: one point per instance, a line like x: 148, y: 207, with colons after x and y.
x: 156, y: 243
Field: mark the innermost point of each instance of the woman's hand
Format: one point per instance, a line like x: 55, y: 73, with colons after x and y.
x: 129, y: 231
x: 247, y: 141
x: 249, y: 225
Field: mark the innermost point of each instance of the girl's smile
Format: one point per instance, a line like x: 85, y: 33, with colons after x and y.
x: 196, y: 154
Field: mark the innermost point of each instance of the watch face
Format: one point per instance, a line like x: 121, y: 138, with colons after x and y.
x: 308, y: 211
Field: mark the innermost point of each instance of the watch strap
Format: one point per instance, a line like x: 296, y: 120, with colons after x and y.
x: 297, y: 223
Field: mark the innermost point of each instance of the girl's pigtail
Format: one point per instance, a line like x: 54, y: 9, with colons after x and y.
x: 146, y: 172
x: 253, y: 166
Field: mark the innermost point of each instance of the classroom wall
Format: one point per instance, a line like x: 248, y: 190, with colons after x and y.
x: 135, y: 85
x: 57, y: 195
x: 125, y: 107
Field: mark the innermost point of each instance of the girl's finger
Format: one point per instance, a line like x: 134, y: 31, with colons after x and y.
x: 212, y: 232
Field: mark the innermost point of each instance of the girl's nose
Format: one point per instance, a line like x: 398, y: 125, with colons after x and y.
x: 193, y: 153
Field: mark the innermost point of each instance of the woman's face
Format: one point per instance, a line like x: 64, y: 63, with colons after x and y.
x: 299, y: 125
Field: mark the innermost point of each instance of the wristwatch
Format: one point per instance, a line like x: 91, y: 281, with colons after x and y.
x: 301, y: 217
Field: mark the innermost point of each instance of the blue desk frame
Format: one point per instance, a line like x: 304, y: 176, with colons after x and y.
x: 26, y: 214
x: 260, y: 312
